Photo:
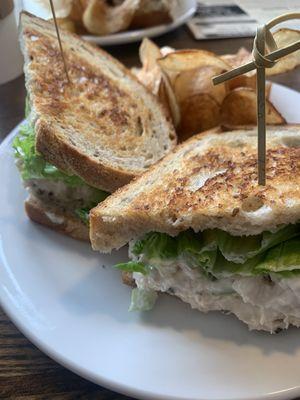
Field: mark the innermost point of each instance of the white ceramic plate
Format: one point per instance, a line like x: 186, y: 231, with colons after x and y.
x: 183, y: 10
x: 59, y: 294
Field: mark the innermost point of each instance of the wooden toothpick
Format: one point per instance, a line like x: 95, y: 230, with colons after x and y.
x: 261, y: 111
x: 261, y: 61
x: 59, y: 41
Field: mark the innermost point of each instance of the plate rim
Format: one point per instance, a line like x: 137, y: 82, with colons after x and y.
x: 122, y: 389
x: 139, y: 34
x: 111, y: 384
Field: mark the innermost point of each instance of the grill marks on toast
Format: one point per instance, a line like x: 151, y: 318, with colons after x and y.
x: 226, y: 175
x: 209, y: 181
x: 105, y: 114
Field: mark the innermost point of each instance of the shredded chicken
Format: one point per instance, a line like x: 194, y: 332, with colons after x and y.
x: 263, y: 304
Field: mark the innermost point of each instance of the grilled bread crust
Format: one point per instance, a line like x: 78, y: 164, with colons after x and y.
x: 104, y: 126
x: 55, y: 218
x: 210, y: 181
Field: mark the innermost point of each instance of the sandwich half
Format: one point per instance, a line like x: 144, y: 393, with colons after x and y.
x: 83, y: 139
x: 200, y: 228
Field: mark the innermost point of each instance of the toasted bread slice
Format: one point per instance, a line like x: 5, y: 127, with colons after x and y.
x: 55, y: 218
x: 104, y: 125
x: 210, y: 181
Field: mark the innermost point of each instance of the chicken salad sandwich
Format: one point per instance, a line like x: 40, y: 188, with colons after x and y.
x: 199, y: 227
x: 85, y: 138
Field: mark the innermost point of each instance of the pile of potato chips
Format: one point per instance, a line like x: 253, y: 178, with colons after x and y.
x: 103, y: 17
x: 182, y: 80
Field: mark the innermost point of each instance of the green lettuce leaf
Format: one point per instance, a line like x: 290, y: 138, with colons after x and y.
x: 239, y: 249
x: 282, y: 258
x: 97, y: 196
x: 199, y: 250
x: 32, y: 165
x: 156, y: 245
x: 224, y: 268
x: 142, y: 299
x: 219, y: 254
x: 27, y: 107
x: 83, y: 214
x: 133, y: 266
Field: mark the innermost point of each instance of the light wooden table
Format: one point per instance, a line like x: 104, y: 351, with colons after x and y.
x: 25, y: 372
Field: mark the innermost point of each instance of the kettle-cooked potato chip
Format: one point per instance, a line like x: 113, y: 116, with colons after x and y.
x: 100, y: 18
x: 149, y: 54
x: 284, y: 37
x: 243, y: 56
x: 167, y: 97
x: 186, y: 60
x: 239, y: 109
x: 198, y: 113
x: 199, y: 80
x: 150, y: 73
x: 156, y: 81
